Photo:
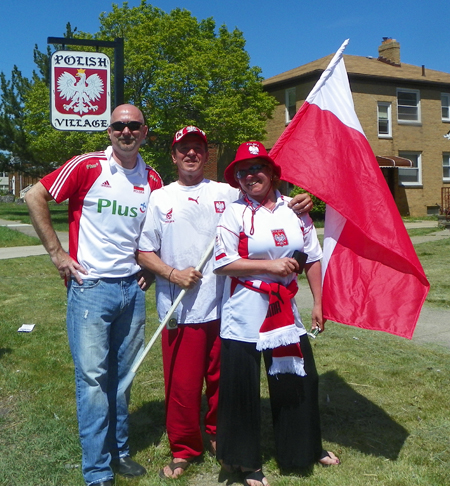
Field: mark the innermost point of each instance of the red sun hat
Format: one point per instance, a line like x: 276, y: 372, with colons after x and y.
x: 246, y: 151
x: 189, y: 130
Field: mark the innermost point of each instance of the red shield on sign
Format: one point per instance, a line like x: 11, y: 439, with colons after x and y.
x: 81, y: 91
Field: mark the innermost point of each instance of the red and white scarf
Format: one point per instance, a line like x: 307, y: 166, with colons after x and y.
x: 278, y: 331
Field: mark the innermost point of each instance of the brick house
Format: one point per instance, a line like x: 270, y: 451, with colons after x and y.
x: 404, y: 111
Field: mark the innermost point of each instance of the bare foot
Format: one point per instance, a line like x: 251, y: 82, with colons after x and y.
x: 328, y: 458
x: 175, y: 469
x: 213, y: 446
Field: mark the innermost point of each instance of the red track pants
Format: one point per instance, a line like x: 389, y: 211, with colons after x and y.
x: 191, y: 356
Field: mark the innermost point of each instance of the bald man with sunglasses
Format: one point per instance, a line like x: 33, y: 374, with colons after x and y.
x: 108, y: 193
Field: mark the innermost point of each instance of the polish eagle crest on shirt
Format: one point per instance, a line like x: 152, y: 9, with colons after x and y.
x: 219, y: 206
x: 280, y: 237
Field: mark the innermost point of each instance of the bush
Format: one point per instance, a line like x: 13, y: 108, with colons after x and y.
x: 318, y: 211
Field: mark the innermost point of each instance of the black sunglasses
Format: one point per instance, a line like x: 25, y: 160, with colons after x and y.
x: 254, y: 169
x: 120, y: 126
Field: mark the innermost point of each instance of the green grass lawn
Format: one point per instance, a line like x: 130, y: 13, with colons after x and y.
x: 10, y: 238
x: 423, y: 231
x: 383, y: 399
x: 19, y: 212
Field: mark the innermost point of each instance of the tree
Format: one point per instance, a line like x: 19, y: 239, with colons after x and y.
x: 15, y: 153
x: 178, y: 71
x: 28, y: 143
x: 49, y: 146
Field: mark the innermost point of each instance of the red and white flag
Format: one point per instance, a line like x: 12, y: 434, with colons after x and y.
x: 372, y: 277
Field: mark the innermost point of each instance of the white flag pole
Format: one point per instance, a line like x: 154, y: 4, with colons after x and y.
x: 172, y: 309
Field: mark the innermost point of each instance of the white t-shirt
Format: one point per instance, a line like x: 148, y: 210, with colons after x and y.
x: 276, y: 234
x: 179, y: 226
x: 107, y: 207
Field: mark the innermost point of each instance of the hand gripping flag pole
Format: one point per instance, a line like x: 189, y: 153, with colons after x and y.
x: 172, y: 309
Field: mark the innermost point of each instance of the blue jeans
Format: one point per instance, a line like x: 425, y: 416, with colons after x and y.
x: 105, y: 325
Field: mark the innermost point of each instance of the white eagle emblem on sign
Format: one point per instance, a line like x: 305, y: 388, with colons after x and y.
x: 81, y: 92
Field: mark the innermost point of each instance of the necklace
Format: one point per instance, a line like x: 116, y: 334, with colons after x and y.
x: 253, y: 209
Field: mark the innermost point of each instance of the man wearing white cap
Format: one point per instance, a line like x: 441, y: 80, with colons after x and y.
x: 178, y: 228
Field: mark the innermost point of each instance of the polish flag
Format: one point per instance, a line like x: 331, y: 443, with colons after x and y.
x: 371, y: 275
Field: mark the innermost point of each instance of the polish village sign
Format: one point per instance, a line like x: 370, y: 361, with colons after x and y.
x: 80, y: 91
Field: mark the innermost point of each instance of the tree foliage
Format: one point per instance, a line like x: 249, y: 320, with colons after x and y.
x: 28, y: 142
x: 178, y: 71
x: 15, y: 152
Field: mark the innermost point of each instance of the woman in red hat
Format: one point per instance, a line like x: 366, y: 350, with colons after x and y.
x: 255, y: 242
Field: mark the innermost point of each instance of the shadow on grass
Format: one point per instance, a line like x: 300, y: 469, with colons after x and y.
x: 350, y: 419
x: 147, y: 425
x: 4, y: 351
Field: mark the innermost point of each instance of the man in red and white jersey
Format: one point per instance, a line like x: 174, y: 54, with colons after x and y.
x: 180, y: 224
x: 108, y: 193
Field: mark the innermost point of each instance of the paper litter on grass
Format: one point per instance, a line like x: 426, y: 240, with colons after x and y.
x: 26, y: 328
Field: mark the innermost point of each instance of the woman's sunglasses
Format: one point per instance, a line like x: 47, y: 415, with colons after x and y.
x: 254, y: 169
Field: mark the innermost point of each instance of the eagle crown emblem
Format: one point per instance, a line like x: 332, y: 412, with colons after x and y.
x: 82, y: 93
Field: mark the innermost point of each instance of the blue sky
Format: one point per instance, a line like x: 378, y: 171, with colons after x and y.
x: 280, y: 35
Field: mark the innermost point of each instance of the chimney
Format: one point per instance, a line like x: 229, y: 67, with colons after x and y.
x: 389, y: 51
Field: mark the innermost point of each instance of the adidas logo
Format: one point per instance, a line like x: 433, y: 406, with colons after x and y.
x: 106, y: 184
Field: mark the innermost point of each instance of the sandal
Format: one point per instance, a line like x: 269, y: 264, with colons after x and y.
x: 328, y: 456
x: 174, y: 465
x: 256, y: 476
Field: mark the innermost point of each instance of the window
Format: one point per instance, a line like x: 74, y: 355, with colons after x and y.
x: 446, y: 167
x: 408, y: 106
x: 384, y: 120
x: 411, y: 176
x: 290, y: 104
x: 445, y: 106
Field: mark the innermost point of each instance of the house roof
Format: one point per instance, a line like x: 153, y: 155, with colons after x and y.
x: 358, y: 66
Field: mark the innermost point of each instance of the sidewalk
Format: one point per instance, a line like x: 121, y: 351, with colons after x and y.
x: 433, y: 325
x: 24, y: 251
